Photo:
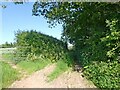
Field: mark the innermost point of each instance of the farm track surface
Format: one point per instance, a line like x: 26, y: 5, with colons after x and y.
x: 39, y: 79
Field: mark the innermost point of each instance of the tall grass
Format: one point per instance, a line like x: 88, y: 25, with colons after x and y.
x: 9, y: 75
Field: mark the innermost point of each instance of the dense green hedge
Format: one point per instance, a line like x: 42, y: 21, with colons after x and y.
x: 32, y: 45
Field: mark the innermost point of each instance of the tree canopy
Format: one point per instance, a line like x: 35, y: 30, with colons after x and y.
x: 93, y: 27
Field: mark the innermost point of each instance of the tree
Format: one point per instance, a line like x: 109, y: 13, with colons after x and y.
x: 85, y: 24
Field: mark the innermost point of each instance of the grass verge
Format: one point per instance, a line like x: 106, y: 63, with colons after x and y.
x: 29, y: 66
x: 61, y: 67
x: 32, y: 66
x: 9, y: 75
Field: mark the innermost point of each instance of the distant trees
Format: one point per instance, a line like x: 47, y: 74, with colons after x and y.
x: 7, y: 45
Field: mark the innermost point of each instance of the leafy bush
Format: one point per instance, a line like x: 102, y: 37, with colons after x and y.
x: 99, y: 45
x: 112, y: 39
x: 105, y: 71
x: 104, y: 75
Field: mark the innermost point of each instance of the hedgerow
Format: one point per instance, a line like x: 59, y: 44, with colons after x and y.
x: 33, y: 45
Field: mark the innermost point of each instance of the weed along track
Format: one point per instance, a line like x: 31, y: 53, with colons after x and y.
x: 39, y: 79
x: 22, y: 72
